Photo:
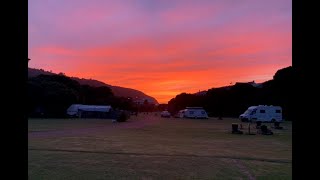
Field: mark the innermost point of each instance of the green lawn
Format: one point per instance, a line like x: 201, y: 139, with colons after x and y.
x: 150, y: 147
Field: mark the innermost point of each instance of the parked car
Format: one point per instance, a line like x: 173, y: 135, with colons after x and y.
x: 165, y: 114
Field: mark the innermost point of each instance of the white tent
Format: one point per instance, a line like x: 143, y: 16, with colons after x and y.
x: 74, y: 109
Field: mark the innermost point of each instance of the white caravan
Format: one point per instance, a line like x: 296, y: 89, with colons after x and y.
x: 262, y: 113
x: 193, y: 112
x: 75, y: 109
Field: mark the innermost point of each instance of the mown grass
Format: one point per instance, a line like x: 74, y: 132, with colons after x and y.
x: 150, y: 147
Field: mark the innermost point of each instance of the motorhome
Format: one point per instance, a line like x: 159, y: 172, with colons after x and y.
x: 180, y: 114
x: 263, y: 113
x: 193, y: 112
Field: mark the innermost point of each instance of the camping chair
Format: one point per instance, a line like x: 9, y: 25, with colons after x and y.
x: 258, y: 126
x: 277, y: 125
x: 265, y: 131
x: 235, y: 129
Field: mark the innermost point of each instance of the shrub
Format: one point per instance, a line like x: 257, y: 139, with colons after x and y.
x: 122, y: 117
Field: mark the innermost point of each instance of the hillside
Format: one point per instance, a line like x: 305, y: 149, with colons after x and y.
x: 117, y: 90
x: 231, y: 101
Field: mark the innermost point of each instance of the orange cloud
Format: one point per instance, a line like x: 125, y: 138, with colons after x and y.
x: 166, y: 69
x: 164, y: 50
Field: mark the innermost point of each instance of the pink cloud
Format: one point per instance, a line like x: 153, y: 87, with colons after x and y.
x: 162, y: 48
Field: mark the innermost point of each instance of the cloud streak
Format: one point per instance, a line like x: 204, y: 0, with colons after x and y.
x: 162, y: 47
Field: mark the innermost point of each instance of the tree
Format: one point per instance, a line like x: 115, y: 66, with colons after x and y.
x: 52, y: 93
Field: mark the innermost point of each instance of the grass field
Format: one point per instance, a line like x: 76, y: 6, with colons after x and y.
x: 150, y: 147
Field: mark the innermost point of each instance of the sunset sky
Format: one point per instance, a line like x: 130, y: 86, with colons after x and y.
x: 162, y: 47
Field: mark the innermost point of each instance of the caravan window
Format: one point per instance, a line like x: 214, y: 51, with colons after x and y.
x: 253, y: 112
x: 262, y: 111
x: 278, y: 111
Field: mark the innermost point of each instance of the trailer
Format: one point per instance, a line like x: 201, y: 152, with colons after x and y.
x: 193, y: 112
x: 90, y: 111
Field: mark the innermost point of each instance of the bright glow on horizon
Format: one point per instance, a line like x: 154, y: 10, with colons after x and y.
x: 162, y: 48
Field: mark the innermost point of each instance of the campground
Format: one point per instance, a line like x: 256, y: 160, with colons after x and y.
x: 150, y: 147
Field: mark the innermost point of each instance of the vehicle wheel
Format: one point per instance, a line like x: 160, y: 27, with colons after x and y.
x: 273, y: 120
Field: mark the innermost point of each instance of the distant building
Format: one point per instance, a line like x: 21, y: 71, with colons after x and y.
x: 141, y: 101
x: 138, y: 101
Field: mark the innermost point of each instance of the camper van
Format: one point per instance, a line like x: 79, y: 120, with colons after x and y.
x: 193, y: 112
x: 180, y: 114
x: 262, y: 113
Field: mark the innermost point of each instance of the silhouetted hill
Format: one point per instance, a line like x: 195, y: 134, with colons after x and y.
x: 117, y: 90
x: 36, y: 72
x: 231, y: 101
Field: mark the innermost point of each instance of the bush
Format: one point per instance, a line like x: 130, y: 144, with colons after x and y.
x: 122, y: 117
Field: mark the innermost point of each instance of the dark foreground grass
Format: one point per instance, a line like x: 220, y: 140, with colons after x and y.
x: 150, y: 147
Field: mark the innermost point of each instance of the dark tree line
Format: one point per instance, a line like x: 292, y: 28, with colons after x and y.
x: 233, y: 100
x: 51, y: 95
